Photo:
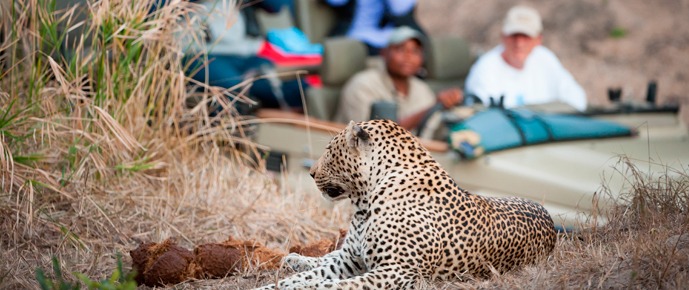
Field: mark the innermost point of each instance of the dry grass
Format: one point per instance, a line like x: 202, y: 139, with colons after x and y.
x: 99, y: 153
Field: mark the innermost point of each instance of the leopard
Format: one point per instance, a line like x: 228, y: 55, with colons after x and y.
x: 411, y: 222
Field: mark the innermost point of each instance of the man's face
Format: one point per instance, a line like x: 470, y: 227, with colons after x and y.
x: 518, y: 47
x: 404, y: 59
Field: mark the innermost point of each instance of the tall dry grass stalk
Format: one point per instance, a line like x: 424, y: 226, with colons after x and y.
x: 99, y: 150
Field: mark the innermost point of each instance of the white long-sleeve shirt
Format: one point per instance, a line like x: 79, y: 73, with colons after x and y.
x: 543, y: 79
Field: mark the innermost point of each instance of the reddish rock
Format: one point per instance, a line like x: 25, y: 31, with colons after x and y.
x: 217, y: 260
x: 169, y: 268
x: 256, y: 255
x: 321, y: 247
x: 166, y: 263
x: 160, y: 264
x: 139, y: 260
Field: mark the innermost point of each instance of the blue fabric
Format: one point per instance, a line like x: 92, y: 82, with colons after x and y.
x: 227, y: 71
x: 293, y: 40
x: 531, y: 125
x: 495, y: 128
x: 502, y: 129
x: 567, y: 127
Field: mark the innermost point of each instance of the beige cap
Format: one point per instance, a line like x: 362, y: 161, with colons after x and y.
x: 522, y: 19
x: 404, y: 33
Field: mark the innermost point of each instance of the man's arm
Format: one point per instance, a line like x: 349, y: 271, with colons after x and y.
x: 448, y: 98
x: 412, y: 121
x: 477, y: 83
x: 568, y: 90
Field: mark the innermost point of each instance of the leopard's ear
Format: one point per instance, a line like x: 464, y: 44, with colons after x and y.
x: 357, y: 137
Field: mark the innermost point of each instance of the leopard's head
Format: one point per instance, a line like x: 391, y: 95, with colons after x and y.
x: 359, y: 155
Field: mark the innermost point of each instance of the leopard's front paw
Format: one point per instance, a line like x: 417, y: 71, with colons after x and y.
x: 300, y: 263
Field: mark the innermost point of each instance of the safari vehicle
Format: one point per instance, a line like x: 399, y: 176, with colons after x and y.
x: 569, y: 177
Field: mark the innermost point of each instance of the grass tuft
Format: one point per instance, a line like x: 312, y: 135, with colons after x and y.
x: 618, y: 32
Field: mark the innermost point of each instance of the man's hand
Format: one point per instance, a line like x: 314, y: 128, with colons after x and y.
x: 450, y: 97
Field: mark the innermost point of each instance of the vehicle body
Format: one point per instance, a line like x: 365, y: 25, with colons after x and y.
x: 565, y: 176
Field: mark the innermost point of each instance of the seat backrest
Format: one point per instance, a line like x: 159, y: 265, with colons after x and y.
x: 342, y: 58
x: 321, y: 103
x: 448, y: 60
x: 314, y: 18
x: 281, y: 19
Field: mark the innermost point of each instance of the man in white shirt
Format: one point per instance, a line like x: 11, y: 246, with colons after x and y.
x: 521, y: 70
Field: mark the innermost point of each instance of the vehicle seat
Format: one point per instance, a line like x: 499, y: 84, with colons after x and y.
x: 314, y: 18
x: 448, y: 60
x: 280, y: 20
x: 342, y: 58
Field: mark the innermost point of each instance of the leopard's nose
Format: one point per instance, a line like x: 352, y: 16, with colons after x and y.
x: 312, y: 169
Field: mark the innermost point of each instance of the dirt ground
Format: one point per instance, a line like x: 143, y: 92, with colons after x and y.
x: 603, y: 43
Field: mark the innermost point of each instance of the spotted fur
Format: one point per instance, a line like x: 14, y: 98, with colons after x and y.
x: 412, y: 220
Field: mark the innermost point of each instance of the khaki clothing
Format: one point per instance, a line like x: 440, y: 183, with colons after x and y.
x: 374, y: 84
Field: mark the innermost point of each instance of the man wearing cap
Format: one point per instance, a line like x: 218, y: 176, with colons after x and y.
x: 394, y: 82
x: 522, y: 70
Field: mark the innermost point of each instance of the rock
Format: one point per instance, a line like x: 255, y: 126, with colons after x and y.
x: 139, y: 260
x: 161, y: 264
x: 321, y: 247
x: 169, y: 268
x: 167, y: 263
x: 218, y: 260
x: 256, y: 255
